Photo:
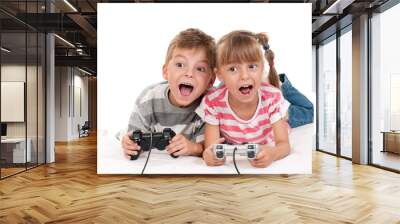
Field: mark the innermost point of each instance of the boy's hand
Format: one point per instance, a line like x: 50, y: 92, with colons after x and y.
x: 209, y: 157
x: 129, y: 147
x: 181, y: 146
x: 264, y: 157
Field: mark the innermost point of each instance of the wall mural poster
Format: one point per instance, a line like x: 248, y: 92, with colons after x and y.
x: 205, y: 89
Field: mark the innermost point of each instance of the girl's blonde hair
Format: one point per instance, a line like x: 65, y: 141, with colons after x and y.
x: 244, y: 46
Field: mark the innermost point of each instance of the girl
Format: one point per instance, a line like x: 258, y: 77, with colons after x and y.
x: 245, y: 109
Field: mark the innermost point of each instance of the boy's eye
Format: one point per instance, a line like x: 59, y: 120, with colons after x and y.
x: 179, y: 65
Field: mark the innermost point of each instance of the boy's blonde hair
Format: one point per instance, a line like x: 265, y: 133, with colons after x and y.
x: 193, y: 38
x: 244, y: 46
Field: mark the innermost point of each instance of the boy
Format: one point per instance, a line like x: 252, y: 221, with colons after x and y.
x: 188, y: 71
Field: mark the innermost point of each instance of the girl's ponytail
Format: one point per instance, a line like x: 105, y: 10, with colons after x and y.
x: 269, y: 55
x: 273, y: 77
x: 262, y: 38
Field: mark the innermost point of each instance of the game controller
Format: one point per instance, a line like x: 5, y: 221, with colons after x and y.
x: 223, y: 150
x: 147, y: 141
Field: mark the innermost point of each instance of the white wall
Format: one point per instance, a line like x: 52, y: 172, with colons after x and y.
x: 82, y: 83
x: 61, y: 103
x: 79, y: 117
x: 70, y: 83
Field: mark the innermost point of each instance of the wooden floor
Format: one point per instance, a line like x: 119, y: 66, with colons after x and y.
x: 70, y: 191
x: 10, y: 171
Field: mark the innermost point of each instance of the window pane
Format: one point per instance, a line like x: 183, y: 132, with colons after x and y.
x: 386, y: 89
x: 346, y: 94
x: 13, y: 148
x: 327, y: 97
x: 41, y: 98
x: 31, y: 101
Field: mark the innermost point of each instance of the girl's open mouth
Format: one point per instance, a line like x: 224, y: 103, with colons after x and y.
x: 246, y: 89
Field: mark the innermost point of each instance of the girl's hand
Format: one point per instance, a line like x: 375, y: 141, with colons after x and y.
x: 209, y: 157
x: 264, y: 157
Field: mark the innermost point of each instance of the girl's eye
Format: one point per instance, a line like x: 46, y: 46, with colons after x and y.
x: 179, y: 65
x: 253, y: 66
x: 232, y: 69
x: 201, y: 69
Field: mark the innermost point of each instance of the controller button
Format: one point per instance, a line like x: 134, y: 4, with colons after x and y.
x: 251, y: 154
x: 220, y: 154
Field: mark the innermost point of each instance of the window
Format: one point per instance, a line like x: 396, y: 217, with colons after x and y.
x: 22, y: 65
x: 385, y: 89
x: 327, y: 96
x: 346, y: 93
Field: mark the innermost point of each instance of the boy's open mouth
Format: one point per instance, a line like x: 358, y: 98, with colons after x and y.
x: 246, y: 89
x: 185, y: 89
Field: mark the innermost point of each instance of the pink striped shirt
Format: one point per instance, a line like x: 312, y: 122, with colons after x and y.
x: 215, y: 110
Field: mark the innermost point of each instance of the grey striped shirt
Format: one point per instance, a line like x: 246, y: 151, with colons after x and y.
x: 153, y: 112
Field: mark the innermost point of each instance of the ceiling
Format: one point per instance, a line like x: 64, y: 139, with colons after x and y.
x: 76, y: 22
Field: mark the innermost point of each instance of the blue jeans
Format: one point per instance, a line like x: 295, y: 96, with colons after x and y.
x: 301, y: 110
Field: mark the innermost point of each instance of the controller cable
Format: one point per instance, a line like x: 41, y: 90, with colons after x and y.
x: 234, y: 160
x: 148, y: 154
